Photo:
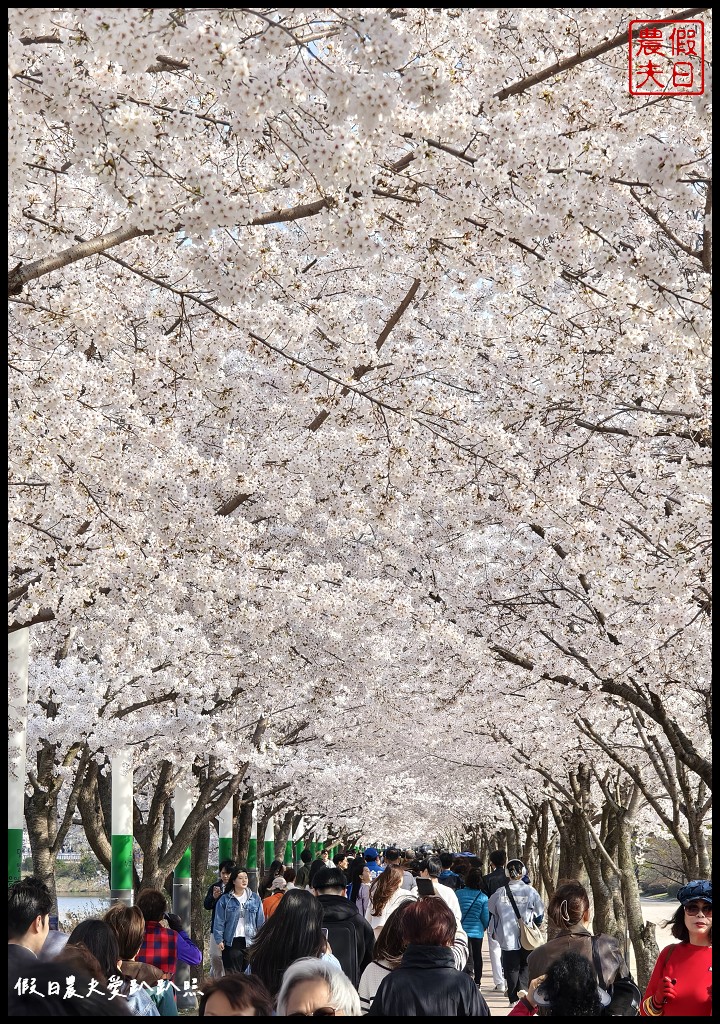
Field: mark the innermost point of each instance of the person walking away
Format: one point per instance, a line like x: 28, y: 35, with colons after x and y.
x: 505, y: 928
x: 681, y: 982
x: 276, y: 869
x: 386, y: 893
x: 492, y: 882
x: 320, y: 862
x: 475, y: 916
x: 302, y: 879
x: 160, y: 943
x: 293, y: 932
x: 447, y: 876
x: 426, y: 983
x: 128, y: 924
x: 350, y: 936
x: 238, y: 917
x: 431, y: 868
x: 102, y: 940
x: 372, y: 860
x: 392, y: 858
x: 569, y: 911
x: 277, y: 891
x: 213, y: 894
x: 387, y: 954
x: 29, y: 906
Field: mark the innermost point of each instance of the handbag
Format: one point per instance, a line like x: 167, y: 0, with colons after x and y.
x: 625, y: 996
x: 530, y: 935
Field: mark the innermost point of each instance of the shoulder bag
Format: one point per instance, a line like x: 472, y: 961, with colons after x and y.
x: 625, y: 996
x: 530, y: 935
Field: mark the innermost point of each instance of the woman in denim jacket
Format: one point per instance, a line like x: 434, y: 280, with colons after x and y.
x: 238, y: 915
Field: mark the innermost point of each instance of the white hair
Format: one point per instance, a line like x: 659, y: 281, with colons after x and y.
x: 343, y: 996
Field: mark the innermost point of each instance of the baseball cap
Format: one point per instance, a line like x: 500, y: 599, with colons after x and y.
x: 278, y: 883
x: 700, y: 889
x: 371, y: 853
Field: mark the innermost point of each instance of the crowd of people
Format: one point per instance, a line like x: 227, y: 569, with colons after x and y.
x: 371, y: 934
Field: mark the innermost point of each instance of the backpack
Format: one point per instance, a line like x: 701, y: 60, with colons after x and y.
x: 343, y: 939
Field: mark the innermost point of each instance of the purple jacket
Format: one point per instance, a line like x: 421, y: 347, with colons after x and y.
x: 187, y: 951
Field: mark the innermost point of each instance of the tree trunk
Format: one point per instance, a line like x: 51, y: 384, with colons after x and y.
x: 262, y: 822
x: 46, y: 827
x: 282, y: 835
x: 97, y: 830
x: 243, y: 821
x: 570, y: 828
x: 44, y: 853
x: 642, y: 934
x: 199, y: 920
x: 545, y: 883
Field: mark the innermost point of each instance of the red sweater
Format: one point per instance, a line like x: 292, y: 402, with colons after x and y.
x: 691, y: 966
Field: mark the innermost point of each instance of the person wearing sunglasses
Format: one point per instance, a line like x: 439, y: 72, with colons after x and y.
x: 316, y: 988
x: 681, y: 981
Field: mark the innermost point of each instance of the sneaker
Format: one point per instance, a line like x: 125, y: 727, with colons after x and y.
x: 501, y: 988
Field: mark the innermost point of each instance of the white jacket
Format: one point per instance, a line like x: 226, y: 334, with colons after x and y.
x: 378, y: 920
x: 503, y: 926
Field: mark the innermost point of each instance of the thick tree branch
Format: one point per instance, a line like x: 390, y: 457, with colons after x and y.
x: 19, y: 277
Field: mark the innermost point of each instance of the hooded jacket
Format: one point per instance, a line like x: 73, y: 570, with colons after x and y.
x: 427, y: 984
x: 345, y: 924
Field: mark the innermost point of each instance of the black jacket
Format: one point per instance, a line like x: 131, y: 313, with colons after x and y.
x: 346, y: 926
x: 427, y: 984
x: 494, y: 881
x: 317, y: 865
x: 210, y: 902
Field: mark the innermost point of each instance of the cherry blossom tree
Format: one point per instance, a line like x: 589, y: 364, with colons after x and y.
x: 359, y: 382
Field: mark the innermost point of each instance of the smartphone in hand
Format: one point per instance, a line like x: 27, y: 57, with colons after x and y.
x: 425, y: 886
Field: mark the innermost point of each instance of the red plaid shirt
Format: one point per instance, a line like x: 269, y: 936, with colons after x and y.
x: 159, y: 947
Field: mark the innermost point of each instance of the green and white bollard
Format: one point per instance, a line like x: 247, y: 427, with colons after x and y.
x: 269, y: 843
x: 298, y: 846
x: 18, y: 653
x: 225, y: 833
x: 121, y: 863
x: 252, y: 852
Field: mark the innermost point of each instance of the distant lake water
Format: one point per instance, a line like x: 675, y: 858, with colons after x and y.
x: 82, y: 904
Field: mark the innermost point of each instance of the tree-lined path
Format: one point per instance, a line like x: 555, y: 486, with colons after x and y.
x: 360, y: 438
